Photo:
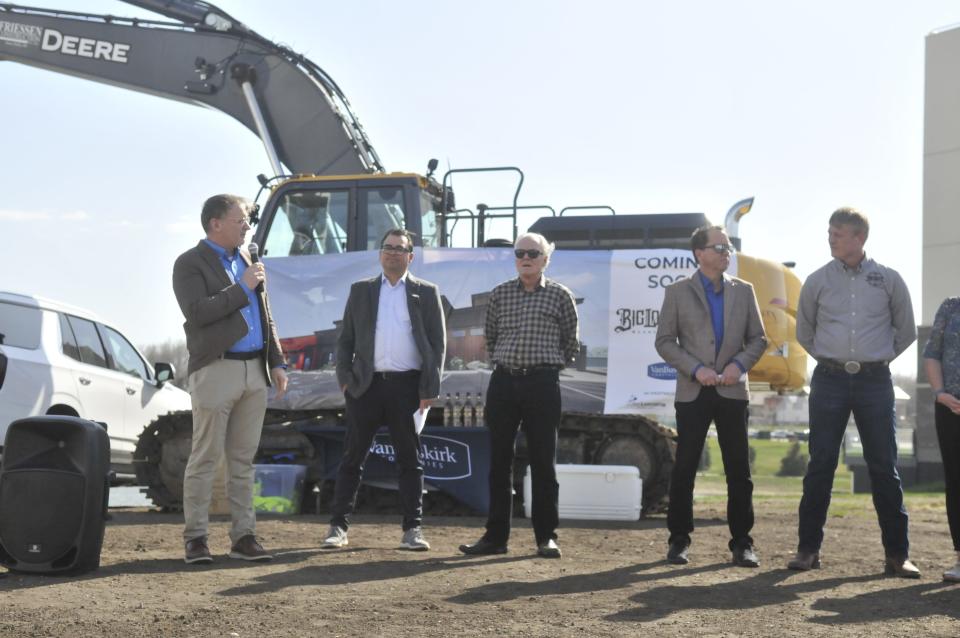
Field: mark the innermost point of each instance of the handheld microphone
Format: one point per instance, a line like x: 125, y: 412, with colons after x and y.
x: 255, y: 258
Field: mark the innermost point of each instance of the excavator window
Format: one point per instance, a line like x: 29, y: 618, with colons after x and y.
x: 309, y: 223
x: 384, y: 211
x: 429, y: 225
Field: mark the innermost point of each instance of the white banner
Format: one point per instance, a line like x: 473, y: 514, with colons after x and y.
x: 619, y: 295
x: 638, y: 380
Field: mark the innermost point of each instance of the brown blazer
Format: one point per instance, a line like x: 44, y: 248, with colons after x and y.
x: 685, y: 334
x: 211, y: 304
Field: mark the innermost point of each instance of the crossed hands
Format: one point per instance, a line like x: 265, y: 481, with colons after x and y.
x: 951, y: 402
x: 730, y: 375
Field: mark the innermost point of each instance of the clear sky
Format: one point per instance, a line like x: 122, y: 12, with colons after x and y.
x: 644, y: 106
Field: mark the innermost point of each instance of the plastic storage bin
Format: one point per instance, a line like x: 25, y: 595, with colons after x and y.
x: 278, y: 489
x: 594, y: 492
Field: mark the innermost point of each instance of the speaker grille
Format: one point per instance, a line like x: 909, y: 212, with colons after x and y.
x: 41, y: 512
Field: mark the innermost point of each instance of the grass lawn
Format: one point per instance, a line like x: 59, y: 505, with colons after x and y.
x: 768, y: 487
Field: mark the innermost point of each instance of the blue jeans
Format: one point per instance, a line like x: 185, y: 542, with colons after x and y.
x: 833, y: 395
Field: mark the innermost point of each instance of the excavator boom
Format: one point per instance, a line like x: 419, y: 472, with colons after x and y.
x: 207, y: 58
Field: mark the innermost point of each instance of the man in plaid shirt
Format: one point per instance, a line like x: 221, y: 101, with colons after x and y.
x: 531, y: 334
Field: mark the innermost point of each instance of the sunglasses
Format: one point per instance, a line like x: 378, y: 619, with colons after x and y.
x: 396, y: 250
x: 721, y: 248
x: 532, y: 253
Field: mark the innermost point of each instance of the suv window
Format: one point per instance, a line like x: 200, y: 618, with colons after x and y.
x: 68, y: 342
x: 19, y: 326
x: 91, y: 349
x: 124, y: 356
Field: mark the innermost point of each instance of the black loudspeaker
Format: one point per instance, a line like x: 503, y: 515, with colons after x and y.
x: 54, y: 486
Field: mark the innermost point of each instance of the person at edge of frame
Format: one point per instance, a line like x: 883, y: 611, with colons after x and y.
x: 941, y: 359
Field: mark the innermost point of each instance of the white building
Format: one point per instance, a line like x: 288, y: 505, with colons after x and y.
x: 941, y: 215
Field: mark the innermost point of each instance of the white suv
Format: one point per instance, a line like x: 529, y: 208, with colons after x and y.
x: 57, y: 359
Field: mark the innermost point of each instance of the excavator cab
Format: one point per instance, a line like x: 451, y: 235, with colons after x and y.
x: 320, y: 215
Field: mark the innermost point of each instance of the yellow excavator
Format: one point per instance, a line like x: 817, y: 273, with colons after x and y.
x: 330, y: 199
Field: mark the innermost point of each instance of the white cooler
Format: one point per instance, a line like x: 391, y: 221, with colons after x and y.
x: 594, y: 492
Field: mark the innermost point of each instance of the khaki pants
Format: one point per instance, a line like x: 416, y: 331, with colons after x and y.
x: 229, y: 400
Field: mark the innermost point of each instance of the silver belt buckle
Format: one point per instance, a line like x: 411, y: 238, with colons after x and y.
x: 851, y: 367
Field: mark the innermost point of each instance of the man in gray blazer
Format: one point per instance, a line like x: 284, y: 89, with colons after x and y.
x: 710, y: 331
x: 390, y: 356
x: 234, y: 356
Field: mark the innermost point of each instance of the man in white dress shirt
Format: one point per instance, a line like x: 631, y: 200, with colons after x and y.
x: 390, y: 355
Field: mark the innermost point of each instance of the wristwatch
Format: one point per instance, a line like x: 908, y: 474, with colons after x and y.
x: 938, y: 392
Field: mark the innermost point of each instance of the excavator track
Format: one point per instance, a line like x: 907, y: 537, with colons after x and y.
x: 164, y: 448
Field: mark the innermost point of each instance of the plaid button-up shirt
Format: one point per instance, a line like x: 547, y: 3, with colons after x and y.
x: 525, y: 329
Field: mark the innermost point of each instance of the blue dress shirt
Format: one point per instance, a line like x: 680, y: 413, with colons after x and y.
x: 234, y: 266
x: 715, y: 301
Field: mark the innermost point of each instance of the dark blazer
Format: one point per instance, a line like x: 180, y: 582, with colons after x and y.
x: 211, y: 304
x: 685, y: 334
x: 356, y: 340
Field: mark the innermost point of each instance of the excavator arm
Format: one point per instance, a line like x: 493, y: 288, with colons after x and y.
x: 206, y: 57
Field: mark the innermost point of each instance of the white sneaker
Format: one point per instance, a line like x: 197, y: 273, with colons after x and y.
x: 953, y: 575
x: 413, y: 540
x: 336, y: 537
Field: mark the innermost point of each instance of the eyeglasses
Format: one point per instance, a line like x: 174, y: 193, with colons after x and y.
x: 243, y: 221
x: 722, y: 249
x: 532, y: 254
x: 396, y: 250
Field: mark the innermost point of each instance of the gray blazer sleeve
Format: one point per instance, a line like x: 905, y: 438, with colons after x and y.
x: 755, y: 337
x: 436, y: 333
x: 668, y: 336
x: 345, y: 342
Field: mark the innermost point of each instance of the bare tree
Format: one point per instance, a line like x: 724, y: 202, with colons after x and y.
x: 173, y: 352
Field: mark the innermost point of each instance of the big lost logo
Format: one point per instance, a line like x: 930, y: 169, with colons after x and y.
x: 443, y: 459
x: 634, y: 319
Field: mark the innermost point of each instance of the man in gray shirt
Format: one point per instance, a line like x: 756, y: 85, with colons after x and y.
x: 854, y: 317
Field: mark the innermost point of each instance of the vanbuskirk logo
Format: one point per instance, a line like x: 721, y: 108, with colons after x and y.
x: 661, y: 371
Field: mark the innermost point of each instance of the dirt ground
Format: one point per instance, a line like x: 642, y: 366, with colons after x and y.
x: 611, y: 581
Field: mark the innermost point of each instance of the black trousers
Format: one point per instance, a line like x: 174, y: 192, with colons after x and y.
x: 391, y: 402
x: 693, y: 421
x: 948, y: 434
x: 531, y: 402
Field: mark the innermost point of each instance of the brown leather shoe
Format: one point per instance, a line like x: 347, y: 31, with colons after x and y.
x: 901, y: 567
x: 805, y: 561
x: 196, y: 551
x: 248, y: 548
